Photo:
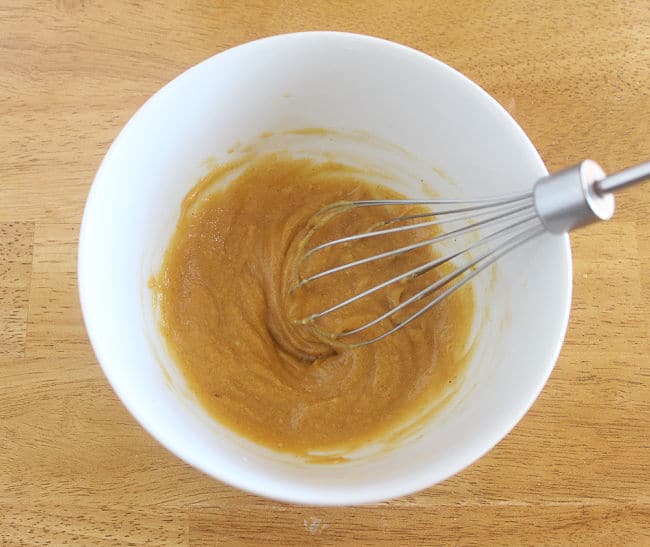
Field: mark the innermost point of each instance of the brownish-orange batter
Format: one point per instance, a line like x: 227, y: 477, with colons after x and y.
x: 229, y: 319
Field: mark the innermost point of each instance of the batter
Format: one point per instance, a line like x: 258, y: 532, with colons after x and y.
x: 230, y: 320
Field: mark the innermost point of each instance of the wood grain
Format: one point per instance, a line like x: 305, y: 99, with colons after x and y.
x: 76, y: 468
x: 15, y: 272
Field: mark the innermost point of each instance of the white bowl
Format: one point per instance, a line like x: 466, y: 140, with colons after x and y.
x: 346, y: 82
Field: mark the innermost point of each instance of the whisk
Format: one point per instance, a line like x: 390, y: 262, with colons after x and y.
x: 557, y: 203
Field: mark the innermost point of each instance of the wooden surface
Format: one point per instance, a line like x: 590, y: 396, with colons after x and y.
x: 74, y: 465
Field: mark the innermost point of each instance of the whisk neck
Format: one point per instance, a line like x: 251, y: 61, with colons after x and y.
x: 569, y: 198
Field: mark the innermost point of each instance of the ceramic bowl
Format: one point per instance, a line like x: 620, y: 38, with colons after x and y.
x: 354, y: 85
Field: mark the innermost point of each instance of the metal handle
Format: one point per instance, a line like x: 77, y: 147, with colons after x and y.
x: 624, y: 178
x: 581, y: 195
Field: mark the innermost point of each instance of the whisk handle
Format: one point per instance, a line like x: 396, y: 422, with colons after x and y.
x: 624, y: 178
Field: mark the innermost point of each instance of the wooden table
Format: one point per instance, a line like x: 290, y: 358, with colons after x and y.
x: 74, y: 465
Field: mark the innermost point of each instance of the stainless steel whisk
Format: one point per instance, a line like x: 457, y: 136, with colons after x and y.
x: 558, y: 203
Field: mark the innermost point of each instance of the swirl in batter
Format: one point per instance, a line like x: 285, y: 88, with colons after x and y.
x: 229, y: 320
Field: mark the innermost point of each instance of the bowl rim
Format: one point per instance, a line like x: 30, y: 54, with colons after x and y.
x: 252, y: 483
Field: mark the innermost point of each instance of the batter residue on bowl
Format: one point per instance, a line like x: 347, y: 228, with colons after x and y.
x: 225, y: 312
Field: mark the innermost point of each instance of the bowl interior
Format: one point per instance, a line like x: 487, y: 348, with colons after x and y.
x: 348, y: 83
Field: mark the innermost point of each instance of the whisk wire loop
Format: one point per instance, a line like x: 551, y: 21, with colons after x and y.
x: 477, y: 266
x: 401, y: 250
